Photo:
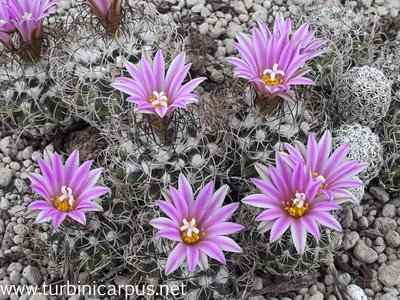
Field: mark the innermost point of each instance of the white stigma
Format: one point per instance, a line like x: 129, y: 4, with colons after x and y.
x: 320, y: 177
x: 161, y: 99
x: 275, y: 71
x: 27, y: 16
x: 2, y: 22
x: 67, y: 194
x: 190, y: 227
x: 300, y: 198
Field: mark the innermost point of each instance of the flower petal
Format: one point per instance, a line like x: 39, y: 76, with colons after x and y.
x: 175, y: 258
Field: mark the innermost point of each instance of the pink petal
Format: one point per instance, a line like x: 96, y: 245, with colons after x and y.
x: 328, y: 220
x: 58, y: 218
x: 162, y: 223
x: 226, y: 244
x: 299, y: 235
x: 175, y: 258
x: 193, y: 256
x: 212, y: 250
x: 78, y: 216
x: 170, y: 233
x: 223, y: 228
x: 279, y: 227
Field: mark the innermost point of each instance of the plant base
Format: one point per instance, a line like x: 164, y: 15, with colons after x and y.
x: 269, y: 105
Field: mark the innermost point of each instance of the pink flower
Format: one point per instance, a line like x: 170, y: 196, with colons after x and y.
x: 67, y: 190
x: 198, y: 227
x: 108, y: 12
x: 153, y: 91
x: 6, y: 24
x: 332, y: 167
x: 273, y: 62
x: 28, y: 16
x: 291, y: 200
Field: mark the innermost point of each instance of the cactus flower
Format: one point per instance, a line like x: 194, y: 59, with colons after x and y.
x: 154, y: 92
x: 291, y: 199
x: 28, y: 16
x: 273, y: 62
x: 108, y: 12
x: 67, y: 190
x: 6, y: 24
x: 197, y: 226
x: 334, y: 169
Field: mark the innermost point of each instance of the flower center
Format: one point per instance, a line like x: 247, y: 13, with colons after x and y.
x: 65, y: 200
x: 159, y: 99
x: 2, y: 22
x: 190, y: 233
x: 27, y: 16
x: 323, y: 185
x: 274, y: 76
x: 297, y: 206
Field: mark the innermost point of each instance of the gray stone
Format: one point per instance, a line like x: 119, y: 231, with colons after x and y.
x: 388, y: 296
x: 4, y: 204
x: 239, y: 7
x: 380, y: 194
x: 350, y: 239
x: 363, y: 222
x: 364, y: 253
x: 191, y: 3
x: 317, y: 296
x: 303, y: 2
x: 203, y: 28
x: 233, y: 29
x: 17, y: 210
x: 216, y: 31
x: 6, y: 175
x: 27, y: 152
x: 355, y: 292
x: 6, y: 145
x: 205, y: 12
x: 20, y: 185
x: 389, y: 275
x: 15, y: 277
x: 384, y: 224
x: 36, y: 156
x: 248, y: 4
x: 15, y: 166
x: 392, y: 238
x: 344, y: 279
x: 32, y: 274
x: 197, y: 8
x: 14, y: 266
x: 260, y: 15
x: 389, y: 210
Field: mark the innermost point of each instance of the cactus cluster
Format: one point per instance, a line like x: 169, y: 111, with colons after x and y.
x: 363, y: 95
x: 364, y: 147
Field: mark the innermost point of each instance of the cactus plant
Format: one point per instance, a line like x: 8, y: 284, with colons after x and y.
x: 363, y: 95
x: 364, y: 147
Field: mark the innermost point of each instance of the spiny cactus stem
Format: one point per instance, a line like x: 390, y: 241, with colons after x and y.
x: 268, y: 105
x: 30, y: 51
x: 160, y: 125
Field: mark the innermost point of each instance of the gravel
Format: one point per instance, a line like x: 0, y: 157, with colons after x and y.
x: 364, y: 253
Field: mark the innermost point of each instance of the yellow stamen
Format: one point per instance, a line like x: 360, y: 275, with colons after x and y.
x: 194, y: 238
x: 161, y: 99
x: 267, y: 79
x: 63, y: 205
x: 296, y: 207
x: 323, y: 185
